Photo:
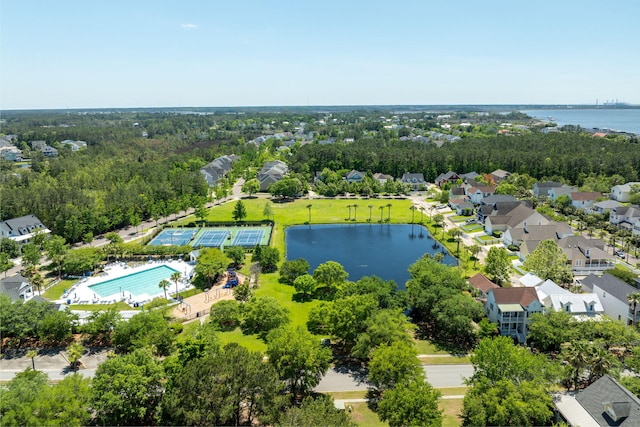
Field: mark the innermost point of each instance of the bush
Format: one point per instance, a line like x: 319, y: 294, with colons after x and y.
x: 226, y: 315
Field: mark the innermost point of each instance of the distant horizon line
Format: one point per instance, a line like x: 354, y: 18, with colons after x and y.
x: 352, y: 107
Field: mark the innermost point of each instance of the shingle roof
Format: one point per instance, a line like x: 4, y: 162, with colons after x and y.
x: 585, y: 195
x: 606, y: 389
x: 522, y: 296
x: 610, y: 284
x: 480, y: 281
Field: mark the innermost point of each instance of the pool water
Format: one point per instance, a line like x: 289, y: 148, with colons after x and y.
x: 142, y: 282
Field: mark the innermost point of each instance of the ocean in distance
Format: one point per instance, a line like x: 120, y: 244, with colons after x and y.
x: 620, y: 119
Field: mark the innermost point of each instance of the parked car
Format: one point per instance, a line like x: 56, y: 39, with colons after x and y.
x: 441, y: 206
x: 619, y: 253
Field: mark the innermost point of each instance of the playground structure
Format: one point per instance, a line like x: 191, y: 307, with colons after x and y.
x: 232, y: 279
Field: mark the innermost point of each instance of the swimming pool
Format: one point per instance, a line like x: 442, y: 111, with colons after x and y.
x: 142, y: 282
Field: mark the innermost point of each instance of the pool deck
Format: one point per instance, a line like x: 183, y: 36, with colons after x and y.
x: 80, y: 293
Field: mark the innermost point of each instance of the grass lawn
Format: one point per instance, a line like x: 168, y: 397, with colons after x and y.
x: 451, y: 411
x: 472, y: 228
x: 427, y: 347
x: 251, y: 342
x: 55, y: 292
x: 486, y: 238
x: 453, y: 360
x: 363, y: 416
x: 453, y: 391
x: 459, y: 218
x: 348, y: 394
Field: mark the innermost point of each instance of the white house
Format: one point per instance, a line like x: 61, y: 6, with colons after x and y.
x: 613, y: 294
x: 22, y: 229
x: 511, y: 309
x: 584, y: 199
x: 622, y: 192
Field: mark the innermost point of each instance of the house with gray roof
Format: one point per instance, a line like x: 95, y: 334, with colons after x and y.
x: 625, y: 216
x: 603, y: 403
x: 17, y: 288
x: 541, y: 189
x: 499, y: 175
x: 218, y: 168
x: 506, y: 216
x: 603, y: 207
x: 415, y: 180
x: 443, y: 178
x: 622, y: 192
x: 565, y: 190
x: 22, y: 229
x: 355, y: 176
x: 272, y: 172
x: 613, y: 294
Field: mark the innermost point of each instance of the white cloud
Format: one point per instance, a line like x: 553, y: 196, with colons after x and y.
x: 189, y: 26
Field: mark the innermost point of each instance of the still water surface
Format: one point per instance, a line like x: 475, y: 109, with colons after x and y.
x: 383, y: 250
x: 627, y: 120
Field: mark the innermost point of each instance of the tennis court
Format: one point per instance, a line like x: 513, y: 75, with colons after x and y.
x: 174, y: 236
x: 248, y: 238
x: 211, y: 238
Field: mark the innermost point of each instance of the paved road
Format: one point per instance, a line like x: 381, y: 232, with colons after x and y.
x: 439, y: 376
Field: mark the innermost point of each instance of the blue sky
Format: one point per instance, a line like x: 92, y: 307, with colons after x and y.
x: 112, y: 53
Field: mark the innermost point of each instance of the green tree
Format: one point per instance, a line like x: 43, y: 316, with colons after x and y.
x: 145, y: 329
x: 64, y: 404
x: 393, y: 364
x: 55, y: 327
x: 287, y: 188
x: 101, y: 324
x: 497, y: 265
x: 234, y: 387
x: 262, y: 314
x: 548, y: 261
x: 18, y: 396
x: 164, y: 285
x: 126, y: 390
x: 239, y: 211
x: 298, y: 357
x: 411, y: 403
x: 330, y: 276
x: 30, y: 255
x: 292, y: 269
x: 5, y: 263
x: 75, y: 350
x: 315, y: 412
x: 243, y: 292
x: 211, y: 263
x: 549, y: 330
x: 226, y: 315
x: 56, y: 248
x: 383, y: 327
x: 9, y: 247
x: 251, y: 186
x: 175, y: 278
x: 82, y: 260
x: 309, y: 209
x: 474, y: 250
x: 269, y: 259
x: 267, y: 211
x: 305, y: 285
x: 236, y: 254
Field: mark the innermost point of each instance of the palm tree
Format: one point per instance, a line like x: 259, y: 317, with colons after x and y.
x: 474, y: 250
x: 175, y: 278
x: 389, y: 215
x: 421, y: 214
x: 381, y: 210
x: 444, y: 226
x: 431, y: 208
x: 576, y: 357
x: 355, y: 212
x: 600, y: 361
x: 456, y: 233
x: 32, y: 355
x: 634, y: 298
x: 413, y: 212
x: 309, y: 208
x: 164, y: 285
x: 38, y: 281
x: 370, y: 208
x: 349, y: 206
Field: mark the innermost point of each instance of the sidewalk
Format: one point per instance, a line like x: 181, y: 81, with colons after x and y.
x: 52, y: 362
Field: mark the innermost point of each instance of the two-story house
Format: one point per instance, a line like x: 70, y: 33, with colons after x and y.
x: 622, y: 192
x: 22, y: 229
x: 584, y: 199
x: 415, y: 180
x: 541, y: 189
x: 613, y: 294
x: 511, y: 309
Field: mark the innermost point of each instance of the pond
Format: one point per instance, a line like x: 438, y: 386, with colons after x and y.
x: 383, y: 250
